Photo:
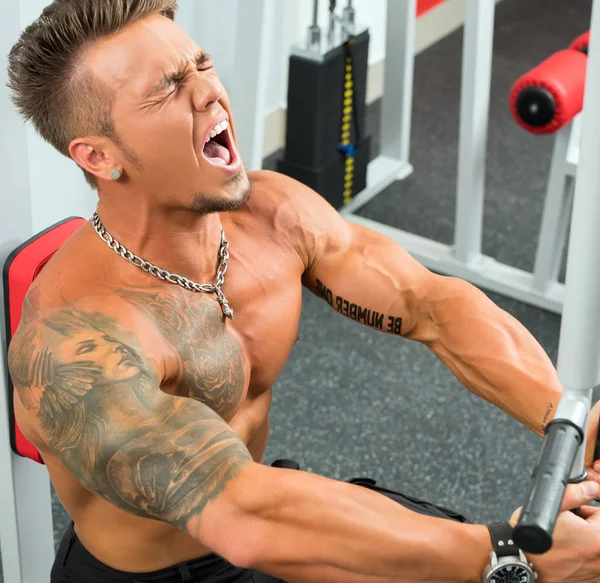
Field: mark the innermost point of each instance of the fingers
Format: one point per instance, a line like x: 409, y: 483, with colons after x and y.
x: 593, y: 474
x: 514, y: 519
x: 586, y: 512
x: 577, y: 495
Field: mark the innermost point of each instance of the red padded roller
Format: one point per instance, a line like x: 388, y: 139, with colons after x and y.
x: 20, y: 269
x: 551, y: 95
x: 581, y: 43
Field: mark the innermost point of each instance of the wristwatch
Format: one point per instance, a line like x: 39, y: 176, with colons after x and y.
x: 508, y: 563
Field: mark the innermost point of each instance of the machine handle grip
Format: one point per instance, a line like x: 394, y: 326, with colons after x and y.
x: 549, y: 96
x: 533, y: 533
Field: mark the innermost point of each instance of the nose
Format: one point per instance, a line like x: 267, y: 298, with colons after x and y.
x: 207, y: 92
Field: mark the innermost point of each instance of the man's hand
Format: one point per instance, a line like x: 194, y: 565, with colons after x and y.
x: 575, y: 553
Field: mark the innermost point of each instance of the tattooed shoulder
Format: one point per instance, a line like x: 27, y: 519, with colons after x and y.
x: 100, y: 409
x: 57, y: 360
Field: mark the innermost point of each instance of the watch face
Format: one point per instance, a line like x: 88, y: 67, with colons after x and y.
x: 510, y: 574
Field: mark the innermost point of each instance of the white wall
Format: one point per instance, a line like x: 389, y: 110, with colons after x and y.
x: 186, y: 16
x: 26, y: 538
x: 58, y: 189
x: 214, y: 30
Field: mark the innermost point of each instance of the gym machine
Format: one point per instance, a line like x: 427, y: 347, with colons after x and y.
x: 546, y: 100
x: 326, y: 148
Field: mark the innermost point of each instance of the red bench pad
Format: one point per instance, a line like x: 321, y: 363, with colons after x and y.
x: 20, y: 269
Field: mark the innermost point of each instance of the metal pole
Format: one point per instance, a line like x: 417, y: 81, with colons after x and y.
x: 349, y: 16
x: 314, y: 31
x: 26, y: 532
x: 396, y: 107
x: 474, y: 115
x: 550, y: 244
x: 249, y: 82
x: 332, y: 7
x: 579, y: 347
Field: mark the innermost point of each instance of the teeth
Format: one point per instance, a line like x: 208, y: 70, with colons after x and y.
x: 218, y: 129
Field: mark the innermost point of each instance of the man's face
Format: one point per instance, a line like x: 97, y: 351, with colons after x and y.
x: 168, y: 102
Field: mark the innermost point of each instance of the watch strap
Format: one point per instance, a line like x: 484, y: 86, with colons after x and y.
x: 504, y: 546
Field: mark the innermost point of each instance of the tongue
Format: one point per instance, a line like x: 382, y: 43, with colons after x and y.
x: 217, y: 153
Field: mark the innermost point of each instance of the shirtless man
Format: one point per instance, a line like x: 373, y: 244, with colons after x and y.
x: 150, y: 404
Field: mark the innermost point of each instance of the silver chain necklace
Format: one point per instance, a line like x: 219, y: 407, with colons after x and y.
x: 164, y: 275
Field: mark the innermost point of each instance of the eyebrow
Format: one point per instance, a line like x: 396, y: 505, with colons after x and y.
x: 200, y: 58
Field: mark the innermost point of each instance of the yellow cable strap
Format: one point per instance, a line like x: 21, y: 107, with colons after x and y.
x: 347, y: 128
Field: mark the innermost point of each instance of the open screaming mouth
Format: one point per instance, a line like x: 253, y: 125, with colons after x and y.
x: 219, y: 148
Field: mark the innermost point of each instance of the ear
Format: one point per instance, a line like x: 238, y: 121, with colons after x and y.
x: 95, y: 156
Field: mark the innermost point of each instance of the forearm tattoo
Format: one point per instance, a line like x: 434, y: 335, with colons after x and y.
x: 372, y: 318
x: 545, y: 421
x: 101, y: 408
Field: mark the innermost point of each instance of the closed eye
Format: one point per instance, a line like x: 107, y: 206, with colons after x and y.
x: 85, y: 347
x: 176, y: 79
x: 202, y: 60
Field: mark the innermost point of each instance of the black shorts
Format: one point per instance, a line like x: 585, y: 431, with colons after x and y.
x: 74, y: 564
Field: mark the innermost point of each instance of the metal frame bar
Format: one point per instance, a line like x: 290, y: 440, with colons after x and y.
x: 579, y: 347
x: 26, y: 533
x: 256, y: 20
x: 557, y: 208
x: 474, y: 116
x: 396, y: 108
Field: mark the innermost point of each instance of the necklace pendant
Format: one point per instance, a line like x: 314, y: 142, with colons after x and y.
x: 227, y: 310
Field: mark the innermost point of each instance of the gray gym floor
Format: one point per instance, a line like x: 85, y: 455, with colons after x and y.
x: 354, y: 402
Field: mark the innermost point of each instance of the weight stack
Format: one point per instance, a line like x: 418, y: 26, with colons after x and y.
x: 328, y: 179
x: 314, y: 118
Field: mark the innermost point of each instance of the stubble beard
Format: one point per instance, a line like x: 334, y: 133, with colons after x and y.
x: 208, y: 203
